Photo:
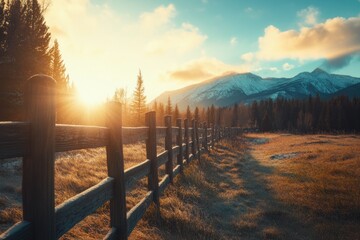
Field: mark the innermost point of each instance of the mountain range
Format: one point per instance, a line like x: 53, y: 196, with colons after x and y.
x: 247, y: 87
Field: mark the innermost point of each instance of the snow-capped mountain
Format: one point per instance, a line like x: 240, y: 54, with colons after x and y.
x: 247, y: 87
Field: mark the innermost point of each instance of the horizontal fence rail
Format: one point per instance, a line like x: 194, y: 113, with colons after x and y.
x: 39, y: 138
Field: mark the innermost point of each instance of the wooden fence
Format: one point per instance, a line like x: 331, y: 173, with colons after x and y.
x: 38, y: 139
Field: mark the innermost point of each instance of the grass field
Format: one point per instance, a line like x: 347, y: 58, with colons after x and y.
x: 261, y: 186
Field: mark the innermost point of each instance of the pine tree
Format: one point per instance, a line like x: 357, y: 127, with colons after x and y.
x: 24, y: 45
x: 160, y: 114
x: 255, y: 114
x: 176, y: 114
x: 58, y: 71
x: 36, y: 40
x: 212, y: 114
x: 139, y: 100
x: 235, y: 116
x: 218, y: 116
x: 57, y: 67
x: 203, y: 115
x: 208, y: 116
x: 196, y: 114
x: 168, y: 107
x: 188, y: 113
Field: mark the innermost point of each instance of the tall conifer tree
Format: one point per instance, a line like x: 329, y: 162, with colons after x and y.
x: 139, y: 100
x: 168, y: 107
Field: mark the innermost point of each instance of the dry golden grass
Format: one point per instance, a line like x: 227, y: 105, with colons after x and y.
x: 319, y: 176
x: 75, y: 172
x: 262, y: 186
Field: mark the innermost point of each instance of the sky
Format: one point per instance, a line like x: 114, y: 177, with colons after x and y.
x: 105, y: 43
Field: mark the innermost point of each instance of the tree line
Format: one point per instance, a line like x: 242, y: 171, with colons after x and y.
x: 25, y: 50
x: 338, y: 114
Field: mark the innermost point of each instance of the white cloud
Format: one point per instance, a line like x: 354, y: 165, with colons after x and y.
x: 248, y: 9
x: 159, y: 17
x: 274, y: 69
x: 248, y: 57
x: 335, y: 37
x: 178, y: 40
x: 203, y: 69
x: 287, y: 66
x: 233, y: 41
x: 309, y: 16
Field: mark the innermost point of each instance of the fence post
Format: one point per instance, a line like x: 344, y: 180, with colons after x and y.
x: 193, y: 139
x: 153, y: 179
x: 212, y: 135
x: 187, y: 150
x: 38, y: 165
x: 197, y: 140
x: 179, y: 143
x: 115, y: 166
x: 205, y: 140
x: 168, y: 147
x: 201, y: 135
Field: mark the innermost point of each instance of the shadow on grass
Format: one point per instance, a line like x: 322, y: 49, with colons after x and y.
x: 228, y: 198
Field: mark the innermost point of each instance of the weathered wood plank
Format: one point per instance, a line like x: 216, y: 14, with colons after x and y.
x: 205, y: 137
x: 176, y: 170
x: 38, y: 165
x: 163, y: 183
x: 115, y: 166
x: 21, y: 230
x: 175, y: 150
x: 191, y: 157
x: 193, y: 137
x: 13, y: 139
x: 168, y: 147
x: 137, y: 172
x: 197, y: 140
x: 78, y: 207
x: 74, y: 137
x: 183, y: 150
x: 111, y: 235
x: 213, y: 135
x: 162, y: 158
x: 160, y: 132
x: 174, y: 131
x: 179, y: 142
x: 136, y: 213
x: 186, y: 139
x: 153, y: 177
x: 134, y: 134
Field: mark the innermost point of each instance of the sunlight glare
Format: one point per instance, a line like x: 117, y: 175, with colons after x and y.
x: 92, y: 95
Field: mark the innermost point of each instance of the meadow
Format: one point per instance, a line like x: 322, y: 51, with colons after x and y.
x: 258, y: 186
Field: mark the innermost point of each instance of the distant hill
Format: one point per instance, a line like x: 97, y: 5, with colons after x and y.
x: 247, y: 87
x: 352, y: 91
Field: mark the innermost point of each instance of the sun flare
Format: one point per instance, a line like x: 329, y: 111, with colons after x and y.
x: 91, y: 96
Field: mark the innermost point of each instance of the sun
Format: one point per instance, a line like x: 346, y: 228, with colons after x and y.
x: 91, y: 96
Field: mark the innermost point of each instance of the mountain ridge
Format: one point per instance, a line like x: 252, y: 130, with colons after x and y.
x: 233, y: 88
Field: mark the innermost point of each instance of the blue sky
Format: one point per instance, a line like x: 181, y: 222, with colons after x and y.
x: 177, y: 43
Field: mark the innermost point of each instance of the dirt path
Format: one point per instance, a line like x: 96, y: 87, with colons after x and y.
x: 254, y: 212
x: 232, y: 198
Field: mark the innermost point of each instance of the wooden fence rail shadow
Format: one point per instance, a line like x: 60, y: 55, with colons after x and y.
x: 38, y: 139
